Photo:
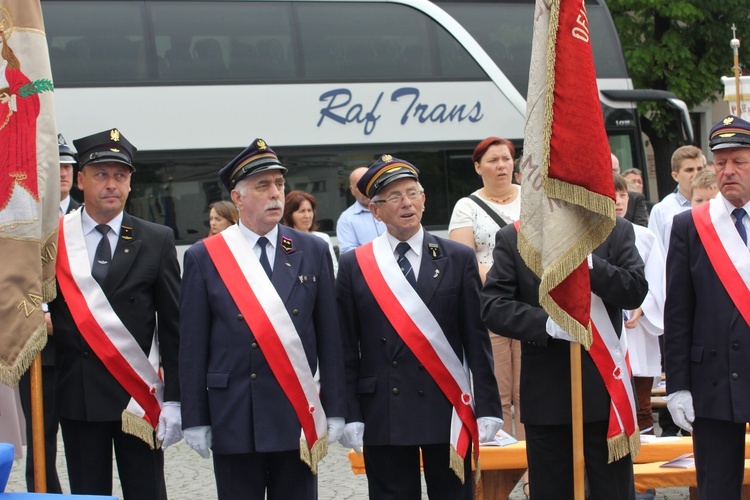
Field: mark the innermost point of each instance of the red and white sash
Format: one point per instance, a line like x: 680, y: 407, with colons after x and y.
x: 420, y: 331
x: 610, y: 357
x: 727, y: 252
x: 105, y: 333
x: 273, y: 328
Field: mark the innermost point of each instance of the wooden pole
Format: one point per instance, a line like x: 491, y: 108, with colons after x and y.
x: 37, y: 426
x: 735, y: 45
x: 576, y: 400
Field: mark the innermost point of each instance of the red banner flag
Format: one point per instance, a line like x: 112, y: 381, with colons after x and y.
x: 568, y: 207
x: 29, y: 185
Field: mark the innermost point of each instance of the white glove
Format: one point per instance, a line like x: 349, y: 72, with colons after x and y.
x: 352, y: 437
x: 488, y: 427
x: 199, y: 439
x: 680, y: 405
x: 556, y: 332
x: 335, y: 428
x: 169, y: 430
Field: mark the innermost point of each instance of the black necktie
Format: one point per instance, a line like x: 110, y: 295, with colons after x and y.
x: 262, y: 242
x: 103, y: 255
x: 404, y: 263
x: 739, y: 213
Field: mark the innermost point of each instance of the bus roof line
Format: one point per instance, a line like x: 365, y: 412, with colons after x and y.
x: 469, y: 43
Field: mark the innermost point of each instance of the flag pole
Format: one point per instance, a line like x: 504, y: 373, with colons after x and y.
x: 576, y: 400
x: 734, y: 43
x: 37, y: 426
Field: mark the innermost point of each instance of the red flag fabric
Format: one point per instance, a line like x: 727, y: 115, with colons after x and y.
x: 29, y: 185
x: 568, y: 194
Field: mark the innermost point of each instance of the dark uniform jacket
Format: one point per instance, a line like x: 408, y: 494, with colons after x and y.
x: 142, y: 286
x: 386, y: 386
x: 510, y: 307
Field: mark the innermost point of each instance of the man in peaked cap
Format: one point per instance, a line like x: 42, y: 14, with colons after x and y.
x: 49, y: 374
x: 398, y: 295
x: 706, y: 318
x: 258, y: 329
x: 116, y: 328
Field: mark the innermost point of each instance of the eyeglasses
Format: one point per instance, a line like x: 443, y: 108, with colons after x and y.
x: 396, y: 198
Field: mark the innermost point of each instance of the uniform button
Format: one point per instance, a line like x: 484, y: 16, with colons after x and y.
x: 735, y: 345
x: 295, y: 312
x: 735, y: 376
x: 420, y: 392
x: 240, y: 317
x: 254, y: 345
x: 395, y: 391
x: 132, y: 299
x: 253, y: 376
x: 394, y: 364
x: 85, y: 354
x: 714, y: 382
x: 713, y: 352
x: 382, y: 340
x: 421, y: 367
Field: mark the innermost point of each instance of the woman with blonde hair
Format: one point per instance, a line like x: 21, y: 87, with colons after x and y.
x: 299, y: 214
x: 221, y: 215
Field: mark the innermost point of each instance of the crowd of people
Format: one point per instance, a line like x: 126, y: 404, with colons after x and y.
x: 409, y: 348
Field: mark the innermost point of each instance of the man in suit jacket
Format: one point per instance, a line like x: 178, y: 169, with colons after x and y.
x: 258, y: 300
x: 396, y: 405
x: 706, y: 317
x: 118, y: 280
x: 637, y: 211
x: 49, y: 374
x: 510, y: 307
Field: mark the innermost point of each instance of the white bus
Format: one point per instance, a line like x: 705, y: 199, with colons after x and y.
x: 329, y: 85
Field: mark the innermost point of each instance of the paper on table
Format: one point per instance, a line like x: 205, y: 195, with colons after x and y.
x: 686, y: 461
x: 502, y: 438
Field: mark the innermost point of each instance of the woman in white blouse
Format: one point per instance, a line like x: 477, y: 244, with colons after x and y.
x: 474, y: 222
x: 299, y: 214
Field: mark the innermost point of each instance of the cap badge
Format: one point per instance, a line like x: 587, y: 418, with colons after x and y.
x: 727, y: 135
x: 114, y: 150
x: 261, y: 144
x: 61, y: 140
x: 287, y: 245
x: 728, y: 120
x: 386, y: 158
x: 114, y: 135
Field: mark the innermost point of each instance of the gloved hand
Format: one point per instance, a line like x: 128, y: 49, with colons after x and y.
x: 680, y: 405
x: 169, y: 430
x: 352, y: 437
x: 199, y: 439
x: 488, y: 427
x: 556, y: 332
x: 335, y: 428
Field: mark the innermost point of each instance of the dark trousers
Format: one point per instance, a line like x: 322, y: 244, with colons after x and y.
x: 549, y: 450
x: 393, y: 473
x: 51, y: 423
x: 719, y: 448
x: 643, y: 387
x: 248, y: 476
x: 88, y: 453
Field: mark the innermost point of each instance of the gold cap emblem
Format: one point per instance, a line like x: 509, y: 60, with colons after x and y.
x: 114, y: 150
x: 114, y: 135
x: 261, y: 144
x: 386, y: 158
x: 727, y: 135
x: 728, y: 120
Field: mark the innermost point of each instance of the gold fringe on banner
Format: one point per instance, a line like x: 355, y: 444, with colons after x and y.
x: 457, y: 464
x: 136, y: 426
x: 10, y: 374
x: 311, y: 456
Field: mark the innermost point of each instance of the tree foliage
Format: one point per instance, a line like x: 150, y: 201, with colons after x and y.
x: 682, y: 47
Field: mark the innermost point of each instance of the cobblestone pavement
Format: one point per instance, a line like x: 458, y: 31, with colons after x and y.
x: 190, y: 477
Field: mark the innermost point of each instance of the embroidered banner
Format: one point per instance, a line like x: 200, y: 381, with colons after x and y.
x: 29, y: 185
